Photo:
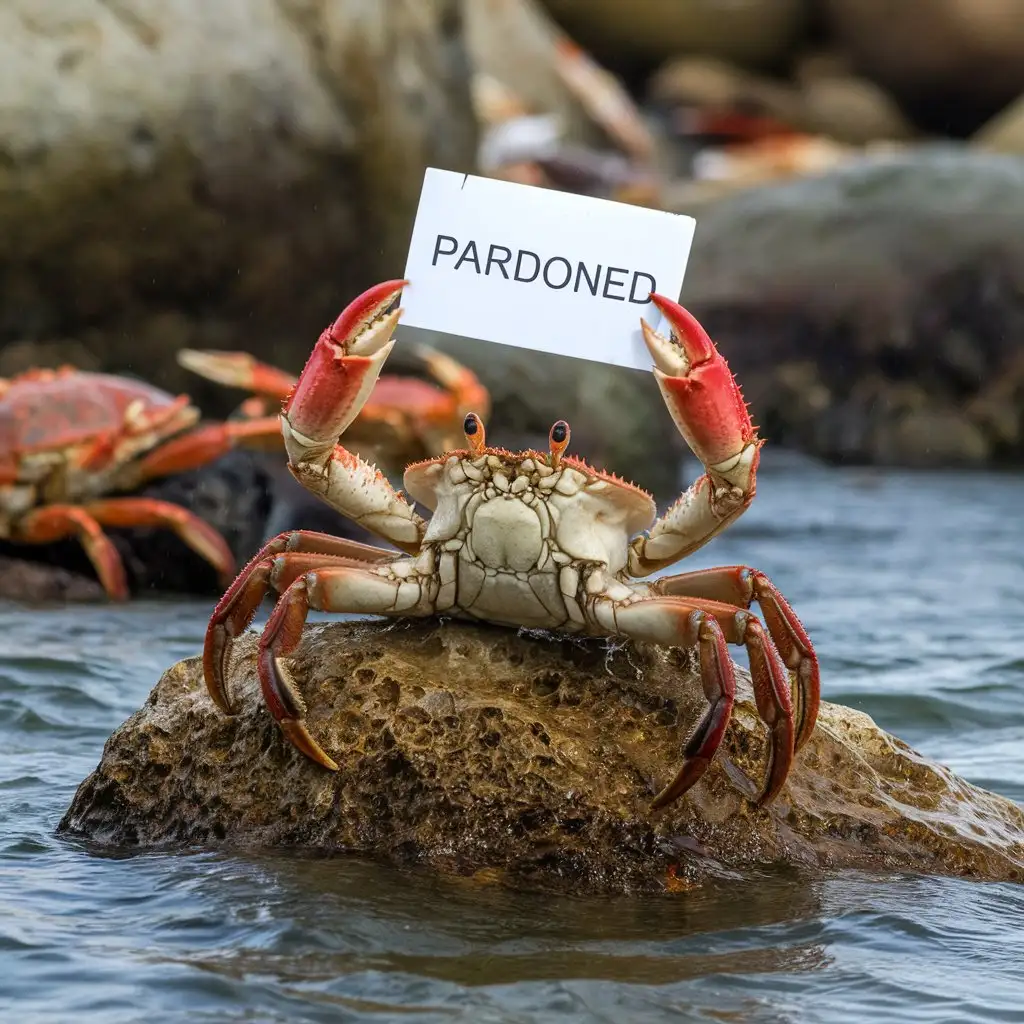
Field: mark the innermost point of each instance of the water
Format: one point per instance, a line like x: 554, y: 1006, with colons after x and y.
x: 911, y: 586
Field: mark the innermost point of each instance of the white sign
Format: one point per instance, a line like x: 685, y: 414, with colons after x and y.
x: 541, y: 269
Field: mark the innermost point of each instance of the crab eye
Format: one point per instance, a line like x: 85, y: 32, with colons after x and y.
x: 474, y: 428
x: 558, y: 440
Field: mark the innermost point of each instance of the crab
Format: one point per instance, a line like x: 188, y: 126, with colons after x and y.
x: 528, y: 539
x: 404, y: 418
x: 70, y: 439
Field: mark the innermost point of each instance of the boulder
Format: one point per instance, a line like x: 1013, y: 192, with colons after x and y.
x: 220, y: 174
x: 1005, y: 132
x: 952, y: 64
x: 755, y: 33
x: 38, y: 583
x: 528, y: 760
x: 875, y: 314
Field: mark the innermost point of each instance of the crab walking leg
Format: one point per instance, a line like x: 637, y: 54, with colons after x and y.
x: 204, y: 445
x: 740, y: 585
x: 677, y: 623
x: 238, y: 370
x: 358, y: 591
x: 459, y: 381
x: 333, y: 387
x: 202, y: 538
x: 771, y: 688
x: 56, y: 522
x: 237, y: 608
x: 708, y: 409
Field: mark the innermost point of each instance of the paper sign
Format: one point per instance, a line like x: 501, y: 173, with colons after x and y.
x: 541, y: 269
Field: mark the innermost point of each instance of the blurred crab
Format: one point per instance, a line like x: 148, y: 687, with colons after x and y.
x: 537, y: 539
x: 70, y: 439
x: 402, y: 420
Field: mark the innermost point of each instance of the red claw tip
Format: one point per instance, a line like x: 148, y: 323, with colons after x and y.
x: 372, y: 301
x: 694, y: 340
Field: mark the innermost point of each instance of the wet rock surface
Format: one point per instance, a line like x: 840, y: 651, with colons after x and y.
x: 215, y: 175
x: 524, y: 760
x: 875, y: 314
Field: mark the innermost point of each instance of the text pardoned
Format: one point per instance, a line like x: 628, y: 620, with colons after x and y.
x: 541, y: 269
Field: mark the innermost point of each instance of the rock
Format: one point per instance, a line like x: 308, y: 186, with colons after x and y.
x: 36, y: 583
x: 875, y: 313
x: 756, y: 33
x: 841, y: 106
x: 852, y: 109
x: 1005, y: 132
x: 708, y: 83
x: 526, y: 760
x: 228, y: 174
x: 951, y: 64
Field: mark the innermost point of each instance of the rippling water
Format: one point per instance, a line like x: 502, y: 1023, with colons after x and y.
x: 912, y: 586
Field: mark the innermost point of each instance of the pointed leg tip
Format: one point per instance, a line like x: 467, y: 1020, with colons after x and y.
x: 219, y: 696
x: 300, y: 738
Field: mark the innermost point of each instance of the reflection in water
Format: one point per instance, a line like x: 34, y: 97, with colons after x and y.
x: 912, y: 590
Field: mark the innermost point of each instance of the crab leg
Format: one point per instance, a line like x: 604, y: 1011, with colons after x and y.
x: 238, y: 370
x: 333, y: 387
x: 678, y: 623
x: 202, y: 538
x: 55, y: 522
x: 739, y: 585
x: 708, y: 408
x: 459, y: 381
x: 333, y: 589
x: 771, y: 688
x: 204, y: 445
x: 273, y: 567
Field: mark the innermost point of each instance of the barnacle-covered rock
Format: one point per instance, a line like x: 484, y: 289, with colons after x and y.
x: 528, y: 760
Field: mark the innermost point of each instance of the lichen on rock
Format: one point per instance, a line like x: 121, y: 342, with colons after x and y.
x: 530, y: 760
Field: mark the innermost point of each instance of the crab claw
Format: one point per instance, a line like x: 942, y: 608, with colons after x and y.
x: 700, y: 391
x: 344, y: 366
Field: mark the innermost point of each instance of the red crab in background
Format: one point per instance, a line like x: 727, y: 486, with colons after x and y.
x: 72, y: 441
x: 403, y: 419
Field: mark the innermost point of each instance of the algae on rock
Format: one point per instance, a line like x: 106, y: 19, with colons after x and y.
x: 532, y: 759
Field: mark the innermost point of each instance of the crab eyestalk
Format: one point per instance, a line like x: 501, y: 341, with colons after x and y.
x: 476, y: 436
x: 558, y: 441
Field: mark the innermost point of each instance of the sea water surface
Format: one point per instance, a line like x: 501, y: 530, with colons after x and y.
x: 912, y: 587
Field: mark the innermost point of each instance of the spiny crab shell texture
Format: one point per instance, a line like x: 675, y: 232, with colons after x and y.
x: 536, y: 539
x: 512, y: 530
